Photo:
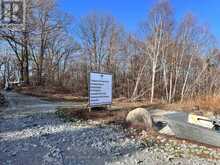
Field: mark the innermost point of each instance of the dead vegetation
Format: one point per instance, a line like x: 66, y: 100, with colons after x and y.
x: 52, y: 94
x: 204, y: 104
x: 101, y: 115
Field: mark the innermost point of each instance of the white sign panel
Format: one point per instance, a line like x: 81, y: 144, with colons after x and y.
x: 100, y: 89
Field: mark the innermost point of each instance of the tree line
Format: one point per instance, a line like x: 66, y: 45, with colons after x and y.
x: 167, y: 59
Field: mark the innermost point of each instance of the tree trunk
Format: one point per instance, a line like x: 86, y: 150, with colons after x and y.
x: 153, y: 83
x: 21, y: 72
x: 27, y: 81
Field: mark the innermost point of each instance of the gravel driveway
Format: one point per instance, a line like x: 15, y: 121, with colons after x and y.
x: 31, y: 134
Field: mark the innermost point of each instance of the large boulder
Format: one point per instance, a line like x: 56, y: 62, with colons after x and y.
x: 139, y: 118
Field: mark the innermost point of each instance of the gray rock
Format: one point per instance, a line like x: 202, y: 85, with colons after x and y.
x: 140, y: 118
x: 14, y: 153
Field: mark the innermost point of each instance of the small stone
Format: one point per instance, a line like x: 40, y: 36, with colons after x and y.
x: 163, y: 140
x: 34, y: 145
x: 25, y: 149
x: 13, y: 154
x: 170, y: 159
x: 140, y: 162
x: 5, y: 150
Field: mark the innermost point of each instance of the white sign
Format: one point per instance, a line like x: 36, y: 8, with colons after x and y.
x: 100, y: 89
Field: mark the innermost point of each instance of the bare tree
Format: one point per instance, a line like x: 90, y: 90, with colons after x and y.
x: 98, y: 34
x: 158, y: 26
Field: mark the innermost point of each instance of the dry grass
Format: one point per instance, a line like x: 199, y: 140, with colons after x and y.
x: 52, y: 94
x: 205, y: 103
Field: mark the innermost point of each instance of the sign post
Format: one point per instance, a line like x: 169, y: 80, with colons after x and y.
x: 100, y: 89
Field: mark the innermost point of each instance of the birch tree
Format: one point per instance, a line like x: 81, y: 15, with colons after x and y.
x: 158, y: 25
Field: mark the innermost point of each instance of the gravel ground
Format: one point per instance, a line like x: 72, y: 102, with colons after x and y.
x: 160, y: 150
x: 31, y: 133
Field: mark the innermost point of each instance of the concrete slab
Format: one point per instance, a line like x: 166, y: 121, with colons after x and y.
x: 178, y: 122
